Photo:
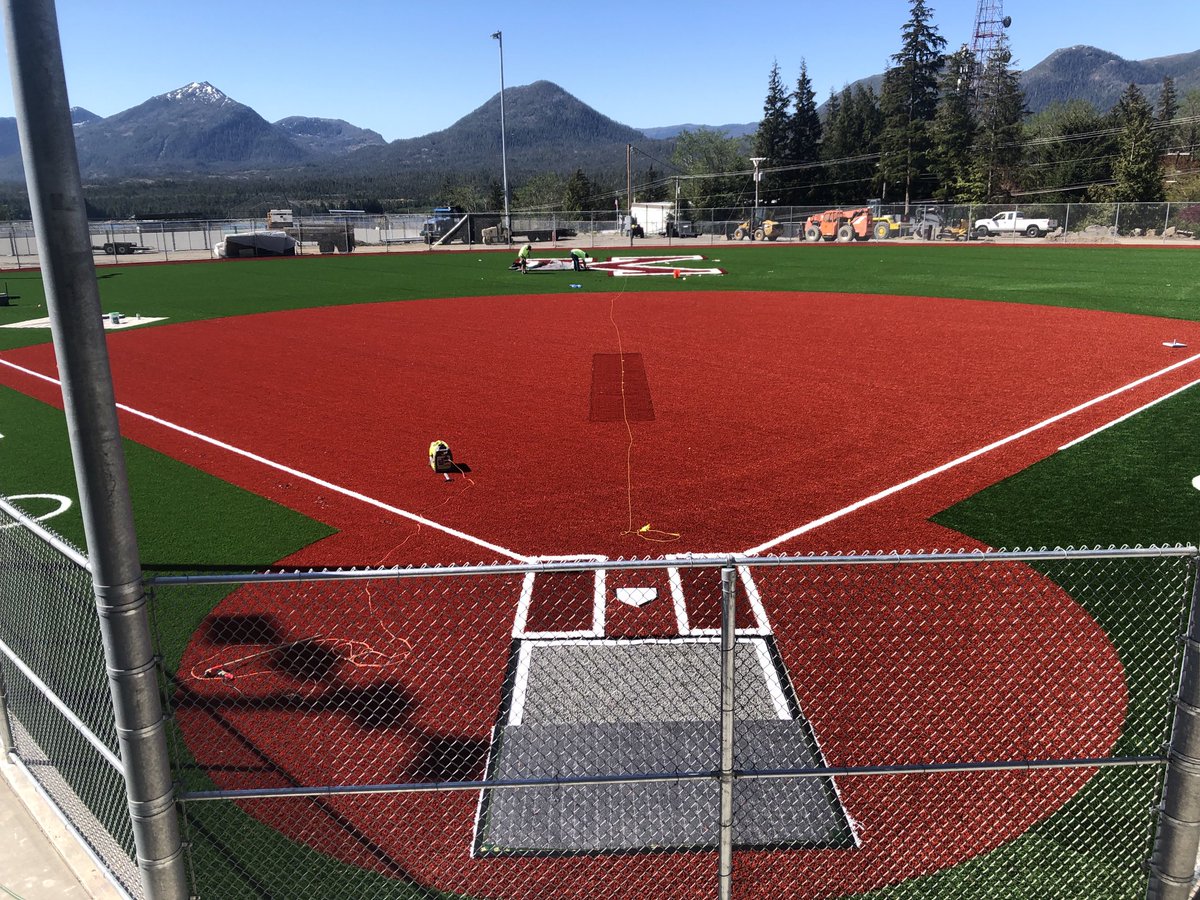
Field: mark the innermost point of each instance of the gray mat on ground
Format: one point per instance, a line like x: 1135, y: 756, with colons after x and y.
x: 677, y: 814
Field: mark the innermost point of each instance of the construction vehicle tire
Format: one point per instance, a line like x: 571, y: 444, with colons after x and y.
x: 882, y: 231
x: 759, y: 234
x: 739, y: 234
x: 812, y: 233
x: 845, y: 234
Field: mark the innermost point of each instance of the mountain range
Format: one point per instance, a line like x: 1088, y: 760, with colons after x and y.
x: 199, y: 130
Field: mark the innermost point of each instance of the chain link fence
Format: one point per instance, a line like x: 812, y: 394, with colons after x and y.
x: 1088, y: 223
x: 955, y: 726
x: 56, y: 717
x: 904, y: 725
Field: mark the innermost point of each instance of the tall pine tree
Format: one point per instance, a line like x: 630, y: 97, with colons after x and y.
x: 1001, y: 113
x: 803, y: 139
x: 850, y: 146
x: 1168, y: 109
x: 952, y: 154
x: 771, y: 139
x: 1137, y: 169
x: 909, y: 103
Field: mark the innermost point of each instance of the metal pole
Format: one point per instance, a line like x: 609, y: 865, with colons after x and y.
x: 7, y: 744
x: 499, y: 36
x: 754, y: 215
x: 629, y: 188
x: 728, y: 644
x: 1173, y: 864
x: 73, y: 301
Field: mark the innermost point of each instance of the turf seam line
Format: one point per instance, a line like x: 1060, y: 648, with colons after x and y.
x: 945, y: 467
x: 1129, y: 415
x: 296, y: 473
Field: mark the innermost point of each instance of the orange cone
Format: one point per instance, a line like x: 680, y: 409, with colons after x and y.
x: 676, y: 273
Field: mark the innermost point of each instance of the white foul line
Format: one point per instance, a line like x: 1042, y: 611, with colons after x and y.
x: 296, y: 473
x: 1080, y: 440
x: 945, y: 467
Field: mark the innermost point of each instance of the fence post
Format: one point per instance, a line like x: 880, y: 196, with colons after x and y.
x: 7, y: 745
x: 1066, y: 220
x: 1167, y: 220
x: 1173, y: 863
x: 1117, y: 222
x: 73, y: 303
x: 728, y: 644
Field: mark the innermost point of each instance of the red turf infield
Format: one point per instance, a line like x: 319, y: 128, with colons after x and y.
x: 771, y: 410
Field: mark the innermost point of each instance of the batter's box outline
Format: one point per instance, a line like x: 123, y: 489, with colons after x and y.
x: 761, y: 627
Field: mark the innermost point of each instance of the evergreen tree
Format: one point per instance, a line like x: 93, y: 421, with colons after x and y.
x: 909, y: 102
x: 1189, y: 131
x: 577, y: 193
x: 653, y: 189
x: 803, y: 138
x: 771, y: 139
x: 1070, y: 152
x: 954, y: 130
x: 1168, y: 109
x: 1001, y: 113
x: 1137, y: 169
x: 851, y: 143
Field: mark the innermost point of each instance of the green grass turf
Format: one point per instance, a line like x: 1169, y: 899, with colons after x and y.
x: 1147, y: 280
x: 185, y: 518
x: 1128, y: 485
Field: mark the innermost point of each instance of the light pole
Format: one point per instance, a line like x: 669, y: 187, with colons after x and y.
x: 499, y: 36
x: 757, y: 177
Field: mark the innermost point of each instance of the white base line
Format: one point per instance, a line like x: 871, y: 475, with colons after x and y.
x: 945, y: 467
x: 295, y: 473
x: 1080, y: 440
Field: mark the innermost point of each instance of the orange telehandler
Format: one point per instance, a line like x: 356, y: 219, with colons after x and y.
x: 840, y: 225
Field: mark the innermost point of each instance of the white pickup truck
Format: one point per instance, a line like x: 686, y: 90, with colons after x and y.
x: 1012, y: 223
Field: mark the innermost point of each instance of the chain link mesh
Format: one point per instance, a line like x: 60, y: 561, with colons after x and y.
x: 48, y: 624
x: 911, y: 726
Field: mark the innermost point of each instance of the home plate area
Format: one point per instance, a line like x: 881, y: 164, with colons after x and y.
x: 612, y: 676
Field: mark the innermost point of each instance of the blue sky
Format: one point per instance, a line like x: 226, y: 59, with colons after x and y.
x: 407, y: 68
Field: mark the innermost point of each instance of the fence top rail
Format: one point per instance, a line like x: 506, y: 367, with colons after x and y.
x: 46, y: 535
x: 683, y: 561
x: 330, y: 790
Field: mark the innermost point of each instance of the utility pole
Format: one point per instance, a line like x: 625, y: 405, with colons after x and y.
x: 629, y: 188
x: 757, y: 160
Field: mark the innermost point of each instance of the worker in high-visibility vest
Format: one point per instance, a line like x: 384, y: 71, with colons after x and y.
x: 523, y: 257
x: 579, y: 260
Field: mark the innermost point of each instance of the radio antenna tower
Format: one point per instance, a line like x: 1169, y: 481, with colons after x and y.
x: 990, y: 23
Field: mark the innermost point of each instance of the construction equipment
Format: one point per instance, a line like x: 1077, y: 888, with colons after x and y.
x: 766, y: 230
x: 958, y: 231
x: 842, y: 225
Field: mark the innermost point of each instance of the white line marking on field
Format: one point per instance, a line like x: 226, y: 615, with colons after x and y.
x: 945, y: 467
x: 64, y: 503
x: 516, y: 712
x: 296, y: 473
x: 1118, y: 421
x: 771, y: 678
